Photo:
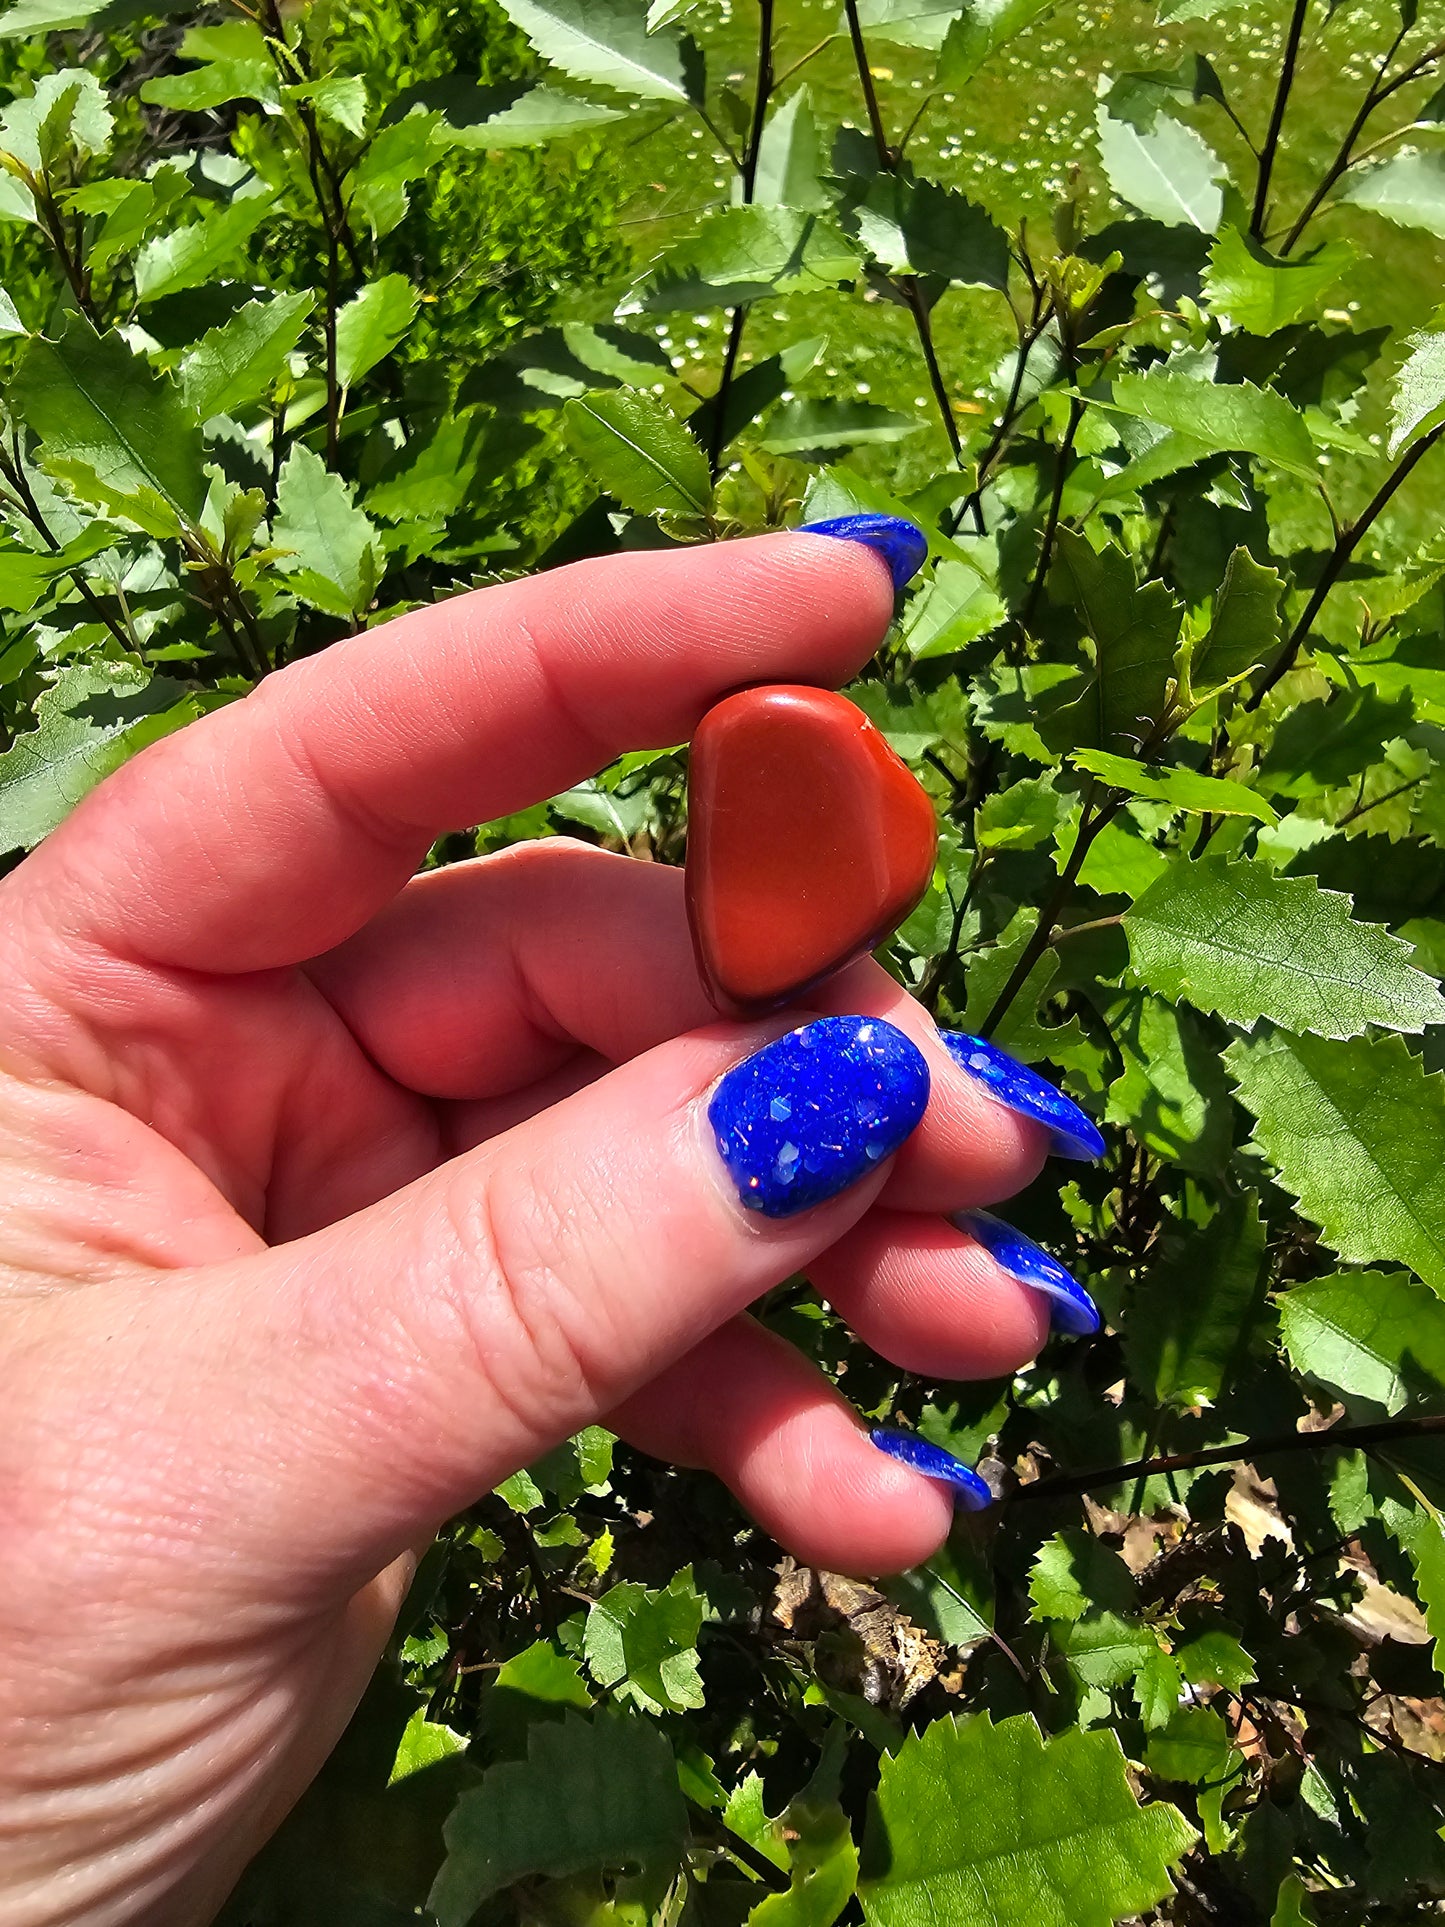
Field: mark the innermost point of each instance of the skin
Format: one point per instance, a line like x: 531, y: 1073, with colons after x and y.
x: 333, y: 1194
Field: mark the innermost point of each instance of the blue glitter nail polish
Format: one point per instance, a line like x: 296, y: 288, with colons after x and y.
x: 807, y: 1115
x: 903, y: 545
x: 969, y: 1490
x: 1072, y: 1132
x: 1072, y: 1310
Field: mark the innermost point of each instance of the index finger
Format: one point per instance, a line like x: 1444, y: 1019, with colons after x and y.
x: 273, y: 829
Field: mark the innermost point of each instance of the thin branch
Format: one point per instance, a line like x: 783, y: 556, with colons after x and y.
x: 803, y: 59
x: 1276, y: 119
x: 14, y: 473
x: 762, y: 93
x: 1344, y: 1438
x: 1056, y: 502
x: 1347, y: 542
x: 1363, y: 809
x: 1345, y: 152
x: 886, y: 157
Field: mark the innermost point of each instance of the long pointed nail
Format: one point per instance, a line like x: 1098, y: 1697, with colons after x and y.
x: 1073, y: 1310
x: 969, y: 1490
x: 902, y: 544
x: 1072, y: 1132
x: 812, y: 1112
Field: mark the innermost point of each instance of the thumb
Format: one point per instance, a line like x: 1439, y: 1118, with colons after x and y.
x: 410, y: 1357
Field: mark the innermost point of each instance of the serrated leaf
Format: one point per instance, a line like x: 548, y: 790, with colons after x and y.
x: 1354, y: 1132
x: 510, y: 114
x: 10, y: 322
x: 1408, y: 190
x: 1134, y: 630
x: 1241, y: 941
x: 639, y: 453
x: 606, y: 42
x: 590, y: 1794
x: 1227, y: 417
x: 1245, y: 628
x: 1322, y: 744
x: 913, y: 226
x: 69, y: 106
x: 1260, y: 293
x: 1428, y: 1552
x: 217, y: 83
x: 906, y: 23
x: 89, y: 721
x: 956, y: 608
x: 1167, y: 171
x: 1074, y: 1573
x: 1374, y: 1335
x: 1192, y: 1313
x: 339, y: 98
x: 183, y: 257
x: 1182, y: 789
x: 644, y: 1644
x: 423, y: 1742
x: 1419, y: 394
x: 370, y: 325
x: 1171, y: 1092
x: 790, y: 158
x: 980, y: 1825
x: 396, y: 155
x: 328, y: 544
x: 26, y: 575
x: 239, y: 362
x: 120, y: 432
x: 982, y: 28
x: 742, y: 253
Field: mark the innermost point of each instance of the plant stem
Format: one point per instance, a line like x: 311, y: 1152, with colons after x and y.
x: 1346, y: 1438
x: 1051, y: 526
x: 14, y: 473
x: 1091, y: 823
x: 762, y: 93
x: 1276, y: 119
x: 1344, y: 155
x: 886, y: 157
x: 1363, y: 809
x: 1029, y: 335
x: 1347, y: 542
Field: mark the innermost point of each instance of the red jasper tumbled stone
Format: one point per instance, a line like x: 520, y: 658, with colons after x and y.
x: 808, y: 842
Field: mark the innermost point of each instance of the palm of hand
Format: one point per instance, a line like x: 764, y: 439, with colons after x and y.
x: 327, y: 1209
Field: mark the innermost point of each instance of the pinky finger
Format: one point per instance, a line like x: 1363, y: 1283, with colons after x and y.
x: 748, y: 1407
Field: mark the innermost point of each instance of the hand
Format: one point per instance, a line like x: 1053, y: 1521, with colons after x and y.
x: 336, y: 1193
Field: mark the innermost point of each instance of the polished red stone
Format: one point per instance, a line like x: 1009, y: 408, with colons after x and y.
x: 808, y: 842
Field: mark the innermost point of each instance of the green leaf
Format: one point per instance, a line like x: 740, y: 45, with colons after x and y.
x: 89, y: 721
x: 1367, y: 1334
x: 1171, y: 1093
x: 242, y: 360
x: 1193, y: 1748
x: 1182, y: 789
x: 958, y: 606
x: 1428, y: 1552
x: 639, y: 453
x: 1134, y: 630
x: 1419, y: 395
x: 742, y: 253
x: 1074, y: 1574
x: 1192, y: 1314
x: 1227, y: 417
x: 119, y: 433
x: 1241, y: 941
x: 829, y: 423
x: 822, y: 1863
x: 1354, y: 1132
x: 1021, y: 817
x: 423, y: 1742
x: 510, y: 114
x: 1408, y: 190
x: 1167, y: 171
x: 1245, y: 628
x: 645, y: 1643
x: 790, y: 158
x: 328, y: 543
x: 214, y: 85
x: 978, y: 1825
x: 398, y: 154
x: 607, y: 42
x: 756, y: 389
x: 10, y: 322
x: 906, y: 23
x: 184, y: 257
x: 917, y: 227
x: 1322, y: 744
x: 1260, y: 293
x: 590, y: 1794
x: 26, y: 575
x: 370, y: 325
x: 981, y: 29
x: 67, y: 107
x: 339, y: 98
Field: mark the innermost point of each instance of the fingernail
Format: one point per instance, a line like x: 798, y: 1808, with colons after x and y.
x: 1074, y: 1311
x: 902, y: 544
x: 807, y: 1115
x: 969, y: 1490
x: 1072, y: 1132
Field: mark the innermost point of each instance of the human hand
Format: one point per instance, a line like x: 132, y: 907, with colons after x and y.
x: 337, y: 1193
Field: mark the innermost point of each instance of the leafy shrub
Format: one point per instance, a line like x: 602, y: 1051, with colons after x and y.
x: 379, y: 300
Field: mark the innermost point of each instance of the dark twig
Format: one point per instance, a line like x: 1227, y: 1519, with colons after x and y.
x: 1345, y: 545
x: 1276, y: 118
x: 762, y: 93
x: 1344, y: 1438
x: 1056, y: 502
x: 1344, y: 155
